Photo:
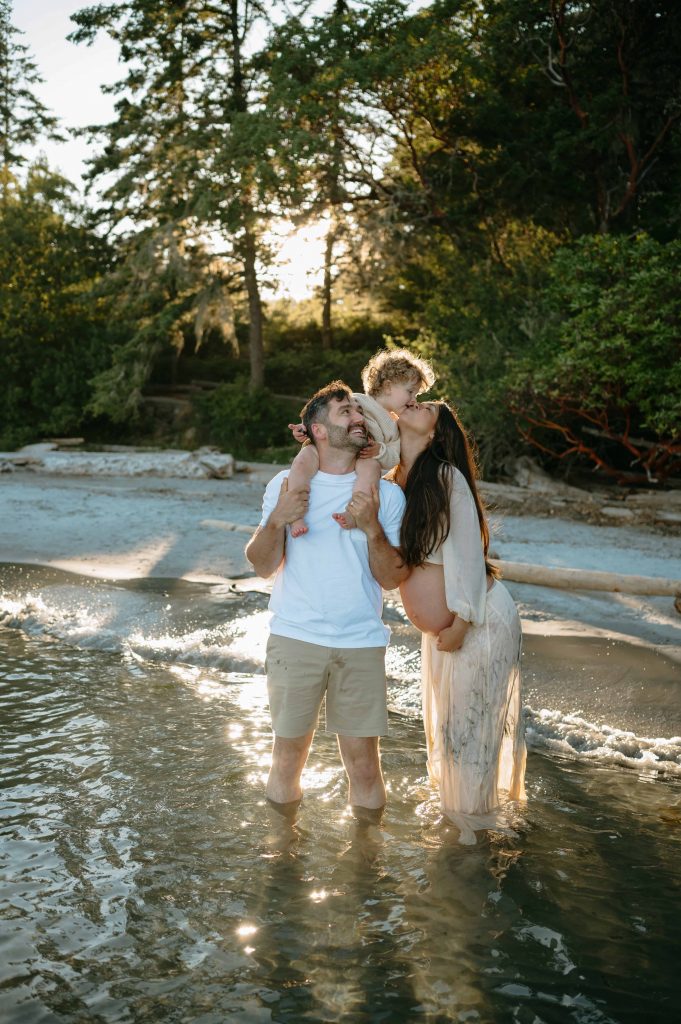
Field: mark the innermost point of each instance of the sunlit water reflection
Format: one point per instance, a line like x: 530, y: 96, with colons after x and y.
x: 145, y: 878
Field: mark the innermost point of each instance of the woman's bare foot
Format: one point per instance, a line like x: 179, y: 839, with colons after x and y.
x: 298, y: 528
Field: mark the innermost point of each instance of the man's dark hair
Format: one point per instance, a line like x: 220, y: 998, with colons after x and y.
x: 317, y: 409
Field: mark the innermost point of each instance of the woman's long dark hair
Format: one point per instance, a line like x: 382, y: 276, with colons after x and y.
x: 426, y: 521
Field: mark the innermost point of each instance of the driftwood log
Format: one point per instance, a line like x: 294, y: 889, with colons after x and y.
x: 587, y: 579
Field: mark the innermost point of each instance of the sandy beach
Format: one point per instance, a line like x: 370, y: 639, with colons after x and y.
x: 165, y: 527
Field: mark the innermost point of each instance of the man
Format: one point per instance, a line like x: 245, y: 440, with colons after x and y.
x: 326, y: 633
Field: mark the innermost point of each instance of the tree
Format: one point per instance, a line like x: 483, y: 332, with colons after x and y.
x: 169, y: 289
x: 306, y: 95
x: 600, y: 382
x: 55, y: 333
x: 511, y: 128
x: 238, y: 141
x: 187, y: 153
x: 565, y: 112
x: 332, y: 141
x: 24, y: 119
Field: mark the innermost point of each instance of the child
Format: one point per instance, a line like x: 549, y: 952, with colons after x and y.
x: 392, y: 379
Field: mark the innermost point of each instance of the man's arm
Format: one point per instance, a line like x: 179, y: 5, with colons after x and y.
x: 265, y: 551
x: 385, y: 561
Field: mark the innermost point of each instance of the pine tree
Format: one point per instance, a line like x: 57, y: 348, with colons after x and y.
x: 325, y: 78
x: 307, y: 94
x: 188, y: 151
x: 24, y: 119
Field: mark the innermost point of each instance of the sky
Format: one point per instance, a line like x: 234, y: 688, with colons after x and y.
x: 73, y: 75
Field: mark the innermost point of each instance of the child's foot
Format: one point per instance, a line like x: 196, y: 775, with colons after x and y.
x: 298, y: 528
x: 344, y: 519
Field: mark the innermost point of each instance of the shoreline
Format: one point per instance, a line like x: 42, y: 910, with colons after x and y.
x: 126, y: 528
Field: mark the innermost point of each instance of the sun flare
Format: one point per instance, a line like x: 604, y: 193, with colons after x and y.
x: 300, y: 259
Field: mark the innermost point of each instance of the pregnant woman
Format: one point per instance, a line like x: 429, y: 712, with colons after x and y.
x: 471, y: 630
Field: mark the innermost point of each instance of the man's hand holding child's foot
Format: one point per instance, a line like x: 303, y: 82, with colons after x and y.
x: 362, y: 511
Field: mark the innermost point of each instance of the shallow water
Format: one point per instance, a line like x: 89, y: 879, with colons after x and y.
x: 145, y: 879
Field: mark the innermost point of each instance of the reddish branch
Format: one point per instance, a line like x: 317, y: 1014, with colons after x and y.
x: 658, y: 460
x: 558, y: 14
x: 636, y: 166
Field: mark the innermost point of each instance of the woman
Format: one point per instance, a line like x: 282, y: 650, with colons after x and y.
x: 470, y: 665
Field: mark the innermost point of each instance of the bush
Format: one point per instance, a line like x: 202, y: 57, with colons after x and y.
x: 302, y: 372
x: 601, y: 382
x: 245, y: 423
x: 468, y: 316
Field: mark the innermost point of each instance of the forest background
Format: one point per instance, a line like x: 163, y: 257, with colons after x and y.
x: 497, y: 181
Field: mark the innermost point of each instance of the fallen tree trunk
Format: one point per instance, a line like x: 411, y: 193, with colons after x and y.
x: 586, y: 579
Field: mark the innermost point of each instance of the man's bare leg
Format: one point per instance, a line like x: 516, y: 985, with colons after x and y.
x: 362, y: 763
x: 288, y: 760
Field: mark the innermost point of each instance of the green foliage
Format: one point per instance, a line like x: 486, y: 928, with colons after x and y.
x: 456, y: 149
x: 470, y: 318
x: 169, y: 294
x: 601, y: 378
x: 54, y: 331
x: 568, y: 114
x: 245, y: 422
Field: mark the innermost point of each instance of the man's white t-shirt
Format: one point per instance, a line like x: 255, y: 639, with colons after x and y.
x: 324, y: 592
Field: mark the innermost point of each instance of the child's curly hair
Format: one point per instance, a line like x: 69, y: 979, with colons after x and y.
x: 396, y: 366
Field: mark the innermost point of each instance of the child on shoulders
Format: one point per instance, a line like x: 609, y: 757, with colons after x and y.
x: 391, y: 379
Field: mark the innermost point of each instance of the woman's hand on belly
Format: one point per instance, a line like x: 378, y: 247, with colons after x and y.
x: 452, y: 638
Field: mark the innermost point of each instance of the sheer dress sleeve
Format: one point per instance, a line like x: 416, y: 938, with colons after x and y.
x: 462, y: 556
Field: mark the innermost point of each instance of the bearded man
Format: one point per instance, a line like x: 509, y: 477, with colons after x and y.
x: 327, y: 638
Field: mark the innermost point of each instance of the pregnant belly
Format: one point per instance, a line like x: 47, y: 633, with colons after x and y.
x: 423, y: 597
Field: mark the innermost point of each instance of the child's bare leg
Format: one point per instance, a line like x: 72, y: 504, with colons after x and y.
x: 303, y: 468
x: 368, y: 476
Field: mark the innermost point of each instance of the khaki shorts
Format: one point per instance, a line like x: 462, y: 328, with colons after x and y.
x: 300, y: 674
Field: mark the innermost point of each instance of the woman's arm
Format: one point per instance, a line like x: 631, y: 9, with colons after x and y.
x: 462, y: 556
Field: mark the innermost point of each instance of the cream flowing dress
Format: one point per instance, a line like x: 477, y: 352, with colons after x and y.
x: 471, y: 697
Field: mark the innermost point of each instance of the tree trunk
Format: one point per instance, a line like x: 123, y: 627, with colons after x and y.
x: 256, y: 349
x: 586, y: 579
x: 327, y: 329
x: 255, y: 337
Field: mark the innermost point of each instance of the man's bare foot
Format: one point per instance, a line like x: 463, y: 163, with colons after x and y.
x: 298, y: 528
x: 367, y: 815
x: 344, y: 519
x: 289, y: 810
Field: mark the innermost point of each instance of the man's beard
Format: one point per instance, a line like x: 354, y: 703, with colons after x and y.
x: 341, y: 438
